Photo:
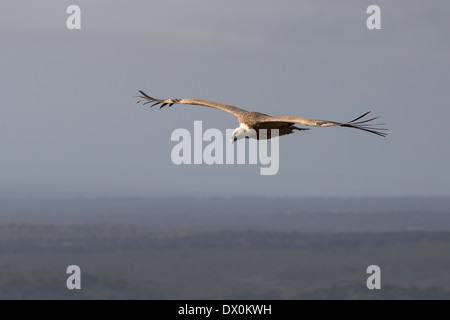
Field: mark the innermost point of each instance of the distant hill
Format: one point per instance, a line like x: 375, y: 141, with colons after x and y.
x: 282, y: 214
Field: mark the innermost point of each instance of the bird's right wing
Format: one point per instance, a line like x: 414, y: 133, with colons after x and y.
x: 366, y: 125
x: 200, y: 102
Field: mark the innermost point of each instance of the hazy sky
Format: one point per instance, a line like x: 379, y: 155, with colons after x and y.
x: 70, y: 126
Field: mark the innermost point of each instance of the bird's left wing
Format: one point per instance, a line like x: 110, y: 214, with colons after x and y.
x: 207, y: 103
x: 357, y: 123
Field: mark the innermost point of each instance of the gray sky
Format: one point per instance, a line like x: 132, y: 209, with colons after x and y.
x: 70, y: 127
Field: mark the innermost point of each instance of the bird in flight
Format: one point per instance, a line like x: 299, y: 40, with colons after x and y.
x: 251, y: 123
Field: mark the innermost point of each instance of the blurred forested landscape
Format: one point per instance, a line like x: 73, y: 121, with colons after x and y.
x: 235, y: 248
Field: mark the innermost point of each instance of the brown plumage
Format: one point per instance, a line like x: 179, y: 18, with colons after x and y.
x: 254, y: 120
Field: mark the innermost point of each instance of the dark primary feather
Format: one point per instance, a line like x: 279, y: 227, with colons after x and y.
x: 364, y: 125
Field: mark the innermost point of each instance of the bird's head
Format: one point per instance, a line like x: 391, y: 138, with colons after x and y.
x: 241, y: 133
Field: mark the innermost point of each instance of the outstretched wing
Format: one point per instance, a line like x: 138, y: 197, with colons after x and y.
x: 200, y: 102
x: 358, y: 123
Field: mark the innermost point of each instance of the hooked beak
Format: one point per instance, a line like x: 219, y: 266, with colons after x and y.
x: 233, y: 139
